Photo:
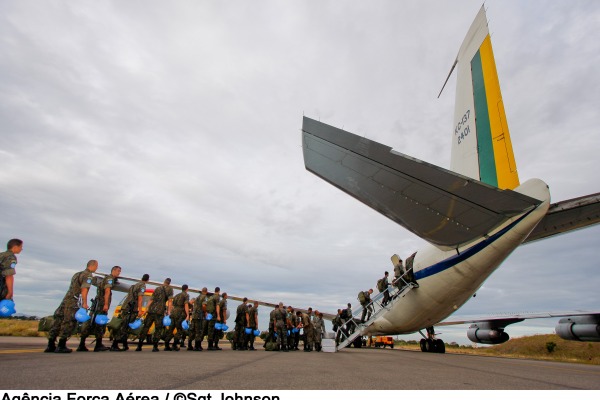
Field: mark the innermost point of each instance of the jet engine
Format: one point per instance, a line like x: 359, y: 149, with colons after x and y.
x: 487, y: 334
x: 585, y: 328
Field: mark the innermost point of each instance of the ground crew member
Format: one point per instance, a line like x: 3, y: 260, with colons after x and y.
x: 212, y: 308
x: 308, y: 330
x: 365, y: 300
x: 318, y: 329
x: 159, y: 305
x: 8, y: 264
x: 199, y: 318
x: 382, y: 286
x: 181, y: 312
x: 64, y: 316
x: 130, y: 310
x: 252, y: 324
x: 240, y: 325
x: 223, y: 319
x: 100, y: 307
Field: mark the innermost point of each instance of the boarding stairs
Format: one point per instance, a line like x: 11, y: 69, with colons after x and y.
x: 353, y: 328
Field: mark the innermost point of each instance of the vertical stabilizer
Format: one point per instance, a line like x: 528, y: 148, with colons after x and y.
x: 481, y: 147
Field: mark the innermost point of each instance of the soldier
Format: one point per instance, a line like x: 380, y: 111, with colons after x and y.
x: 346, y: 316
x: 159, y: 305
x: 318, y: 329
x: 365, y: 300
x: 290, y: 324
x: 64, y: 316
x: 341, y: 329
x: 382, y: 285
x: 131, y: 308
x: 277, y: 319
x: 8, y: 263
x: 212, y: 308
x: 200, y: 324
x: 252, y: 324
x: 240, y: 325
x: 189, y: 333
x: 398, y: 271
x: 100, y: 306
x: 223, y: 319
x: 308, y: 330
x: 181, y: 312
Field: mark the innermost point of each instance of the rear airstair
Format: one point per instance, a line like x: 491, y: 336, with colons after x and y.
x: 353, y: 328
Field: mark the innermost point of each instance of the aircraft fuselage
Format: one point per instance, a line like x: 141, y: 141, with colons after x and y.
x: 447, y: 279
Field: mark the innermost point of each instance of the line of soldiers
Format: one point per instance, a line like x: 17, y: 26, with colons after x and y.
x: 201, y: 319
x: 285, y: 325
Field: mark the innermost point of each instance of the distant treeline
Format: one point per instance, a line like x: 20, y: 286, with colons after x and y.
x: 24, y: 318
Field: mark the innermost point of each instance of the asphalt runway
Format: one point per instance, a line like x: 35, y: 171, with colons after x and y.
x: 349, y: 369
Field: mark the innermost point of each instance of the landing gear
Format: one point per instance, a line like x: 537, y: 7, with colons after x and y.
x: 431, y: 344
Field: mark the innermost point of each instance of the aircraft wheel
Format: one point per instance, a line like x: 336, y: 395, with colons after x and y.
x: 440, y: 347
x: 422, y: 343
x: 429, y: 346
x: 391, y: 346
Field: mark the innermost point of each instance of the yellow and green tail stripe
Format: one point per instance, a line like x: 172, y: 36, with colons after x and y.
x: 497, y: 165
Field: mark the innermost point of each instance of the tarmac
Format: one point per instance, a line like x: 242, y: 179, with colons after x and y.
x: 348, y: 369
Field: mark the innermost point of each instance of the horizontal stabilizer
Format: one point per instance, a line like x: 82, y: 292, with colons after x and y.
x: 440, y: 206
x: 566, y: 216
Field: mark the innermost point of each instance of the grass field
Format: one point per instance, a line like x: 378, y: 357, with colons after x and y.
x: 18, y: 327
x: 539, y: 347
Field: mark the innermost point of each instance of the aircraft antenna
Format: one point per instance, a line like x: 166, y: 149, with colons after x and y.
x: 449, y: 73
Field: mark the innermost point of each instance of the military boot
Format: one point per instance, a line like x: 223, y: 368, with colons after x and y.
x: 125, y: 345
x: 115, y: 346
x: 284, y: 348
x: 99, y: 346
x: 51, y: 346
x: 198, y: 345
x: 155, y: 346
x: 216, y: 345
x: 176, y: 345
x: 62, y: 347
x: 189, y: 346
x: 139, y: 345
x: 210, y: 345
x: 82, y: 345
x: 168, y: 346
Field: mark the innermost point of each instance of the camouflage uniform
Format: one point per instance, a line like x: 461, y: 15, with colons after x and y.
x: 8, y: 263
x: 240, y: 326
x: 199, y: 325
x: 155, y: 315
x: 367, y: 308
x: 252, y: 325
x: 278, y: 323
x: 308, y: 332
x: 289, y: 325
x: 211, y: 307
x: 223, y: 315
x: 64, y: 317
x: 318, y: 329
x: 129, y: 312
x: 90, y: 327
x: 178, y: 315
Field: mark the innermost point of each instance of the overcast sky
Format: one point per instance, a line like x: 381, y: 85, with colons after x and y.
x: 165, y: 138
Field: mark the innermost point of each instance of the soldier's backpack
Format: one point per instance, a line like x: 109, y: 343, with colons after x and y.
x: 381, y: 285
x: 361, y: 297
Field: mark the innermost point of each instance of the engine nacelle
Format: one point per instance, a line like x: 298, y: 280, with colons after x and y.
x: 585, y: 328
x: 486, y: 334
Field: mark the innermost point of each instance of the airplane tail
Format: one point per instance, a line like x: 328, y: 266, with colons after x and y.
x: 481, y: 147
